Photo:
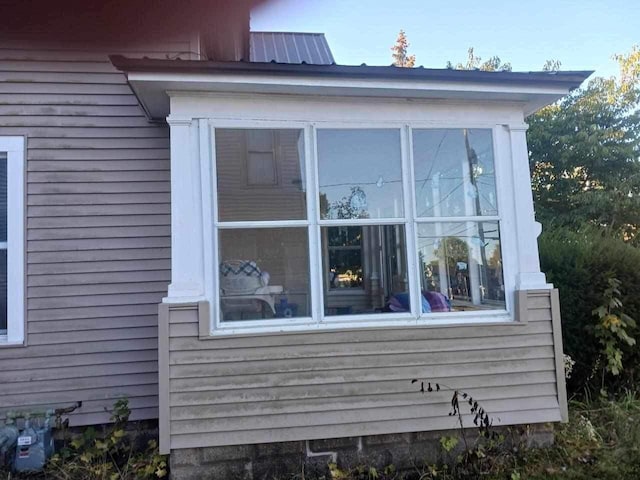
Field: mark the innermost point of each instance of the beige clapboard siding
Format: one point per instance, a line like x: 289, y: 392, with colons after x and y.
x: 98, y: 226
x: 301, y: 385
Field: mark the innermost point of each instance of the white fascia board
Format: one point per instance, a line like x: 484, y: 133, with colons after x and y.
x: 151, y: 88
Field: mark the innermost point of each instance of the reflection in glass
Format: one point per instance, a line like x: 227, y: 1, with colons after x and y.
x: 264, y: 273
x: 462, y: 261
x: 260, y: 174
x: 344, y: 257
x: 454, y: 172
x: 364, y: 269
x: 3, y: 197
x: 3, y: 292
x: 360, y: 174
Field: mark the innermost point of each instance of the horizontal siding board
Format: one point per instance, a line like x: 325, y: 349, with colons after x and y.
x: 93, y: 278
x: 91, y: 267
x: 98, y: 232
x: 332, y: 390
x: 72, y: 110
x: 71, y: 121
x: 95, y: 289
x: 96, y: 188
x: 307, y: 352
x: 323, y: 404
x: 94, y: 300
x: 64, y: 88
x: 63, y: 77
x: 382, y: 413
x: 76, y: 325
x: 66, y: 99
x: 351, y: 375
x: 97, y: 199
x: 79, y: 359
x: 98, y: 221
x: 92, y: 312
x: 96, y: 144
x: 83, y: 383
x: 92, y: 177
x: 96, y: 166
x: 122, y: 347
x: 59, y: 135
x: 36, y: 375
x: 25, y: 65
x: 445, y: 422
x: 64, y: 398
x: 91, y: 155
x: 84, y: 336
x: 322, y: 366
x: 137, y: 414
x: 48, y: 211
x: 356, y: 336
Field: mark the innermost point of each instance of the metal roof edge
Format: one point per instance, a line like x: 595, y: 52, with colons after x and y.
x: 567, y: 79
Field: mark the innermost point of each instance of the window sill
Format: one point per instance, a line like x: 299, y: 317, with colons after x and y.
x: 365, y: 322
x: 4, y: 343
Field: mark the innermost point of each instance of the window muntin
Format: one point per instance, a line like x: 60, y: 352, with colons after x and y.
x: 454, y: 172
x: 463, y: 261
x: 344, y: 257
x: 478, y: 159
x: 260, y: 174
x: 360, y: 173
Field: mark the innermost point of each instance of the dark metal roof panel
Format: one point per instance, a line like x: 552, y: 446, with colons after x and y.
x: 566, y: 79
x: 290, y: 47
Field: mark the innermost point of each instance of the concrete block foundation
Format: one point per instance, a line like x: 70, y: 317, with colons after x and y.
x: 309, y: 460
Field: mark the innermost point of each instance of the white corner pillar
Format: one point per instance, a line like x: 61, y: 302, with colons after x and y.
x: 529, y: 276
x: 187, y: 245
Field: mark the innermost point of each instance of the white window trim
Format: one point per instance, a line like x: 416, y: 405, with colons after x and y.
x: 14, y: 148
x: 521, y: 267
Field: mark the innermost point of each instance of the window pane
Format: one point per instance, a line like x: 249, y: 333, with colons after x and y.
x: 264, y: 273
x: 365, y: 269
x: 3, y: 197
x: 3, y: 292
x: 260, y: 174
x: 454, y: 172
x: 360, y: 174
x: 462, y: 261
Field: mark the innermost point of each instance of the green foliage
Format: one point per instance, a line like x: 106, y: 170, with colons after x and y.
x: 399, y: 52
x: 584, y: 154
x: 494, y: 64
x: 611, y: 329
x: 109, y: 454
x: 595, y: 272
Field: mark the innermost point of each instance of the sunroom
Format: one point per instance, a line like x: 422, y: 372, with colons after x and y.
x: 326, y: 218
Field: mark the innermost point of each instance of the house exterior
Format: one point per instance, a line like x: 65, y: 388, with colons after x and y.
x: 267, y: 253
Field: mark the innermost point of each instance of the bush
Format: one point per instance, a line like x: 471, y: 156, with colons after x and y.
x: 582, y: 265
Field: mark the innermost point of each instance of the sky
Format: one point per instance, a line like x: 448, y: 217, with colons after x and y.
x: 582, y: 34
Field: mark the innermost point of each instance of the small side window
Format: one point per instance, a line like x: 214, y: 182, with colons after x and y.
x: 11, y: 239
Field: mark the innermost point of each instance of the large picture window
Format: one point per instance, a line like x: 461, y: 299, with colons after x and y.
x: 318, y: 225
x: 11, y: 239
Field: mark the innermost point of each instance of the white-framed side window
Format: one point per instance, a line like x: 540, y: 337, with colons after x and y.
x: 12, y: 205
x: 368, y: 225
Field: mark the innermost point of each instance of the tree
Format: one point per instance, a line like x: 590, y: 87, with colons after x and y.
x: 399, y: 49
x: 494, y: 64
x: 584, y: 154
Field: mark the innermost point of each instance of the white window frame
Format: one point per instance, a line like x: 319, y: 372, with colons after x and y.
x: 194, y: 212
x: 313, y: 223
x: 14, y: 147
